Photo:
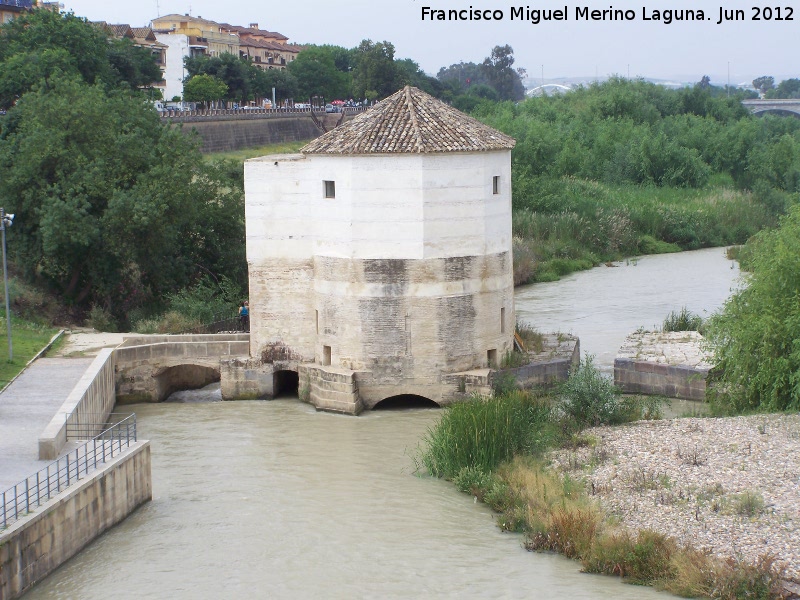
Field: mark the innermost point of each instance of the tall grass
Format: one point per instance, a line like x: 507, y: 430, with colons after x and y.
x: 682, y: 320
x: 484, y: 432
x: 562, y: 225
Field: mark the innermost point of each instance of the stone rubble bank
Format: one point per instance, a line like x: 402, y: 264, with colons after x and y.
x: 692, y: 478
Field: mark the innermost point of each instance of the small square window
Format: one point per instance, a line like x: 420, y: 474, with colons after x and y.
x: 496, y: 184
x: 330, y: 189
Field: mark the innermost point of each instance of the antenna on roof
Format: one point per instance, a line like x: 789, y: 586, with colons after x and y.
x: 158, y: 9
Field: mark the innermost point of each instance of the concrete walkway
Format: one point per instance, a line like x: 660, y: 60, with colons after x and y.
x: 26, y: 407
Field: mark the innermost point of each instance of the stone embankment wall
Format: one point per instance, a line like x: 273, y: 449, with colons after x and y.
x: 221, y: 133
x: 90, y: 401
x: 671, y: 364
x: 35, y: 546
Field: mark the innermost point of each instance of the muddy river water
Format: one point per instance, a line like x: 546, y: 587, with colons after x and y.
x: 274, y: 500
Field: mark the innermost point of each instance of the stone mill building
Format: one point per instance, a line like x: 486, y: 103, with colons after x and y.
x: 380, y: 258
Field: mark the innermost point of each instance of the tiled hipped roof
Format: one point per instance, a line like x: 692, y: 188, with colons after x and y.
x: 410, y: 121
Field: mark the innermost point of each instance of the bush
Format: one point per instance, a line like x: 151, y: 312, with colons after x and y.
x: 101, y: 320
x: 754, y: 337
x: 589, y: 399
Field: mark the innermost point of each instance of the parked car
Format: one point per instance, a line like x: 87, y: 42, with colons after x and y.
x: 330, y: 108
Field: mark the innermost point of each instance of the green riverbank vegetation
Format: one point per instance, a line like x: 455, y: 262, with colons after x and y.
x: 755, y: 336
x: 495, y: 450
x: 627, y: 167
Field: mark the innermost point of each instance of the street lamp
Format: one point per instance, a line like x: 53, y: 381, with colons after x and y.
x: 5, y: 221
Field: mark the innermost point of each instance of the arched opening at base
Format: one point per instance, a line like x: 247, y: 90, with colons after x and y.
x: 184, y: 377
x: 285, y: 384
x: 405, y: 402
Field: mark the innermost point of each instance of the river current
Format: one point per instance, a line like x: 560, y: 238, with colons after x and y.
x: 271, y: 499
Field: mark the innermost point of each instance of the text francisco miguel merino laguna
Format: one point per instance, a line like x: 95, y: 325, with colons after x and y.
x: 585, y: 13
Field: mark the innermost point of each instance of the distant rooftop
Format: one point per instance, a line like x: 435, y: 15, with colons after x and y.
x: 410, y: 121
x: 17, y: 3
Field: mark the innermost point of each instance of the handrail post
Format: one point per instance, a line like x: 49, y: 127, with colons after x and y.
x: 67, y: 457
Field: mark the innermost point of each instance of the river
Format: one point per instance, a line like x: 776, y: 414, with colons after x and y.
x: 275, y: 500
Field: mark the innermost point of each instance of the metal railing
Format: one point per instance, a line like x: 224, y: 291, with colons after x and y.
x: 23, y: 498
x: 222, y: 323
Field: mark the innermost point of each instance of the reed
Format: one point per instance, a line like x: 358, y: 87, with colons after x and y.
x: 482, y: 433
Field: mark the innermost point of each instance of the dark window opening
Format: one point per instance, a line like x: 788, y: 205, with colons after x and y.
x: 330, y: 189
x: 285, y: 383
x: 496, y: 184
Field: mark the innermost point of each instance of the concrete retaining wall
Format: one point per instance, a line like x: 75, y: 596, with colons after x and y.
x: 91, y: 401
x: 35, y: 546
x: 673, y: 381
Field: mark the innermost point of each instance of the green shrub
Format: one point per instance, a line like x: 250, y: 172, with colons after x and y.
x: 101, y: 320
x: 589, y: 399
x: 754, y: 337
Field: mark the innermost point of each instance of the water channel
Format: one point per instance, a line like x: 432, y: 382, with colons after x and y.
x: 274, y: 500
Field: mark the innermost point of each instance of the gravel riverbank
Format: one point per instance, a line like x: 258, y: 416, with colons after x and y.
x: 727, y: 485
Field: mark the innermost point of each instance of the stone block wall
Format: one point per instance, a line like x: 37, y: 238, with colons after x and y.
x: 36, y: 545
x: 672, y: 381
x: 330, y: 388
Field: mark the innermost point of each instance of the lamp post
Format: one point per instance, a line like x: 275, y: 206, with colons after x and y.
x: 5, y: 221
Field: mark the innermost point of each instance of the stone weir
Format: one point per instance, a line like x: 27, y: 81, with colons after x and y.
x: 336, y: 388
x: 672, y: 364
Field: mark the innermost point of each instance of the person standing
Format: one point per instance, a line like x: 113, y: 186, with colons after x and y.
x: 244, y: 316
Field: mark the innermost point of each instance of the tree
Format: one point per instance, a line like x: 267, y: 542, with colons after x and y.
x: 41, y: 44
x: 204, y: 88
x: 764, y: 83
x: 375, y: 70
x: 500, y: 74
x: 235, y: 72
x: 113, y: 207
x: 317, y: 75
x: 459, y: 77
x: 408, y: 72
x: 263, y: 80
x: 788, y: 88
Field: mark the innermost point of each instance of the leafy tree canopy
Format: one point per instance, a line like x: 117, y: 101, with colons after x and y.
x: 764, y: 83
x: 41, y: 44
x: 317, y: 75
x: 204, y: 88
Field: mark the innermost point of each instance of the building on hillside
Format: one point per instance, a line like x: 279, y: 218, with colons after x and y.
x: 216, y: 39
x: 380, y: 257
x: 266, y: 49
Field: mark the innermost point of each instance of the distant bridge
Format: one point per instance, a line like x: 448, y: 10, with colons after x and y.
x: 775, y: 107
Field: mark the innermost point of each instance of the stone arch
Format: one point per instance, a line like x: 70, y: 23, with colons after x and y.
x: 285, y: 382
x: 402, y: 401
x: 782, y: 112
x: 183, y: 377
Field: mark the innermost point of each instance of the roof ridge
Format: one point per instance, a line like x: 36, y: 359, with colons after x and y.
x: 413, y: 116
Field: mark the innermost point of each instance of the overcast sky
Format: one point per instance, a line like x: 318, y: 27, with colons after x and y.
x: 682, y: 50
